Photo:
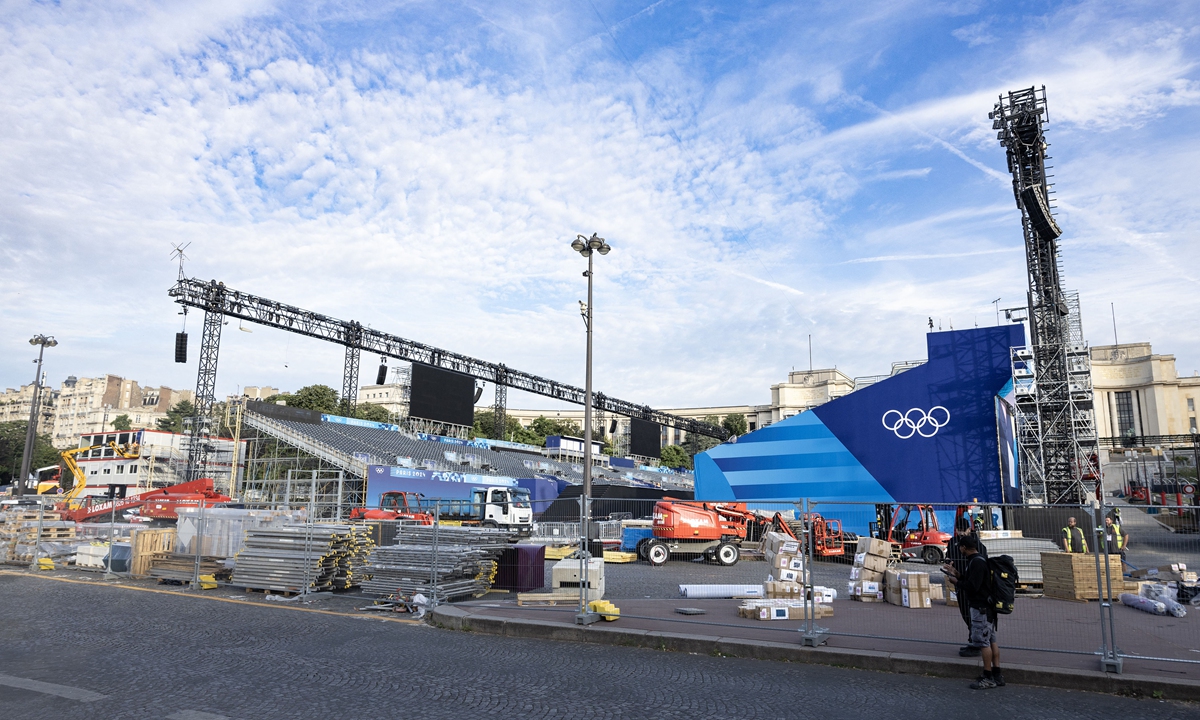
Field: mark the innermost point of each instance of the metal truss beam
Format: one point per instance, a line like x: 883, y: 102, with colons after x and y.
x: 193, y: 292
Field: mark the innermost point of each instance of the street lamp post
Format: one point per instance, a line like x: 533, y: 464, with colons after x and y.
x: 31, y: 429
x: 587, y: 247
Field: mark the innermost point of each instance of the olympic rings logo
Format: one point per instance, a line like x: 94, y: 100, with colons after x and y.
x: 916, y: 422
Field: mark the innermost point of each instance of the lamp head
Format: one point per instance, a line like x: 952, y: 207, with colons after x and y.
x: 52, y: 343
x: 578, y: 246
x: 604, y: 248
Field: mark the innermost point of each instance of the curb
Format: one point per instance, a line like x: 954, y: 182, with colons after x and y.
x: 453, y: 618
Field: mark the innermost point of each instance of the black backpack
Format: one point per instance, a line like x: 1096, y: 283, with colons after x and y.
x: 1003, y: 591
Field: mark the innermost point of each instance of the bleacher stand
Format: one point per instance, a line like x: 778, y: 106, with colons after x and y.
x: 383, y: 446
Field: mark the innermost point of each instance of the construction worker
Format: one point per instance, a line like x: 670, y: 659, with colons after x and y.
x: 1115, y: 538
x: 1074, y: 541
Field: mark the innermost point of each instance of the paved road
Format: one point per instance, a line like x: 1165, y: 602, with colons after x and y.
x: 153, y: 655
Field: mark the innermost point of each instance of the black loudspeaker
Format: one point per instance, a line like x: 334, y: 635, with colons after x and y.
x: 612, y: 428
x: 381, y: 376
x: 1039, y: 213
x: 181, y: 347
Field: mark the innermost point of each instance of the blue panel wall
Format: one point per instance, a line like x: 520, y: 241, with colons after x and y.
x: 928, y: 434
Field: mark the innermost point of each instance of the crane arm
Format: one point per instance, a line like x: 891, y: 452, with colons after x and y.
x: 128, y: 451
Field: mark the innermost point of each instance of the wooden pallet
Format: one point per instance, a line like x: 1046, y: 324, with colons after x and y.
x: 1072, y: 576
x: 530, y: 598
x: 33, y: 517
x: 559, y: 552
x: 146, y: 544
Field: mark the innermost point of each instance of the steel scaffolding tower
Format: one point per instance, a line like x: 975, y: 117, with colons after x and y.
x: 211, y: 298
x: 1056, y: 432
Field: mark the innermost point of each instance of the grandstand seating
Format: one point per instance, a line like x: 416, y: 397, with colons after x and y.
x: 389, y: 447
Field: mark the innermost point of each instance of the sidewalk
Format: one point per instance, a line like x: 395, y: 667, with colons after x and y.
x: 655, y: 624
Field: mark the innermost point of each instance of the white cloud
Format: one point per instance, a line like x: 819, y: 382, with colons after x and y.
x: 434, y: 193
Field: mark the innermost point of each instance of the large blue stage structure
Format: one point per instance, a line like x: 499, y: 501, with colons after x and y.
x: 939, y: 433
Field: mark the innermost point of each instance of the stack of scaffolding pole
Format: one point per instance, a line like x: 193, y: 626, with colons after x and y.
x: 441, y: 563
x: 305, y: 558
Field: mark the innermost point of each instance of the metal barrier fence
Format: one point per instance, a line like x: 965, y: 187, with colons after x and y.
x: 1118, y: 596
x: 1068, y: 603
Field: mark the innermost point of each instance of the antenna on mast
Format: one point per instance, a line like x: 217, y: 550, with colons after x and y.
x: 177, y: 254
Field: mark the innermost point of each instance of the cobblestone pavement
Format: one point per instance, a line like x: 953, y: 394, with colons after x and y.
x: 156, y: 655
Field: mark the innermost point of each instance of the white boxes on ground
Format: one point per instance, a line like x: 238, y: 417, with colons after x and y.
x: 564, y: 576
x: 91, y: 555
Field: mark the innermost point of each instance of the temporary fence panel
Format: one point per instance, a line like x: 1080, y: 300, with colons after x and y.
x: 1156, y: 619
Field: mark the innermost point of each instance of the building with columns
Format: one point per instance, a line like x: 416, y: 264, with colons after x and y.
x: 1138, y: 392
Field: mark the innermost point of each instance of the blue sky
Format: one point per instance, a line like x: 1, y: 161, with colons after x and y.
x: 764, y: 171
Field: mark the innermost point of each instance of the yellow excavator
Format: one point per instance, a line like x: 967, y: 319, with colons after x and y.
x: 74, y: 497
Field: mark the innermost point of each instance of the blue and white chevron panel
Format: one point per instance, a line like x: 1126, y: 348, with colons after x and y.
x: 926, y: 435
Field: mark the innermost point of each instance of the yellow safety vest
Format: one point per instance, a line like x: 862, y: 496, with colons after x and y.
x: 1118, y: 536
x: 1071, y: 541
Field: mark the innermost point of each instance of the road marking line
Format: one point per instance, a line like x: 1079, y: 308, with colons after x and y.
x: 404, y: 621
x: 65, y: 691
x: 196, y: 715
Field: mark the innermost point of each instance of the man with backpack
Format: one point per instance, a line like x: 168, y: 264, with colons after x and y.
x: 955, y: 568
x: 975, y: 590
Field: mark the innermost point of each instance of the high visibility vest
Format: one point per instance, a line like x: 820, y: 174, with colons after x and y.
x: 1067, y: 535
x: 1118, y: 536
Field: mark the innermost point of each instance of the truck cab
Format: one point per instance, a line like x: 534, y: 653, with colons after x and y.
x: 507, y: 508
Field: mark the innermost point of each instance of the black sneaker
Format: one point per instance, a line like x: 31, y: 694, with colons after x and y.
x: 984, y: 683
x: 998, y: 679
x: 970, y: 651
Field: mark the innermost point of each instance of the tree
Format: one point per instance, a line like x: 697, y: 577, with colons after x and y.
x: 122, y: 422
x: 735, y: 424
x: 372, y: 412
x: 319, y: 398
x: 674, y: 456
x: 173, y: 422
x: 704, y: 442
x: 12, y: 446
x: 485, y: 427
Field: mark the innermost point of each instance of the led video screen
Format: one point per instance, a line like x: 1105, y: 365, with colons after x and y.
x: 442, y: 395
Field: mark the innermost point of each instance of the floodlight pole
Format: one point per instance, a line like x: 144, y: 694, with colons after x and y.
x: 31, y: 429
x: 587, y: 247
x: 587, y: 407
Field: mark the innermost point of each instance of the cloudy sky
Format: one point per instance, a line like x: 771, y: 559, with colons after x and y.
x: 764, y: 171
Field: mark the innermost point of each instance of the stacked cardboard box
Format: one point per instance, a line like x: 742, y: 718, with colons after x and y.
x: 950, y: 592
x: 775, y: 544
x: 777, y: 609
x: 867, y: 575
x: 907, y: 589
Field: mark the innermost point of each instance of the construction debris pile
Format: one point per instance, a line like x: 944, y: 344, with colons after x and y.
x: 303, y: 558
x: 461, y: 563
